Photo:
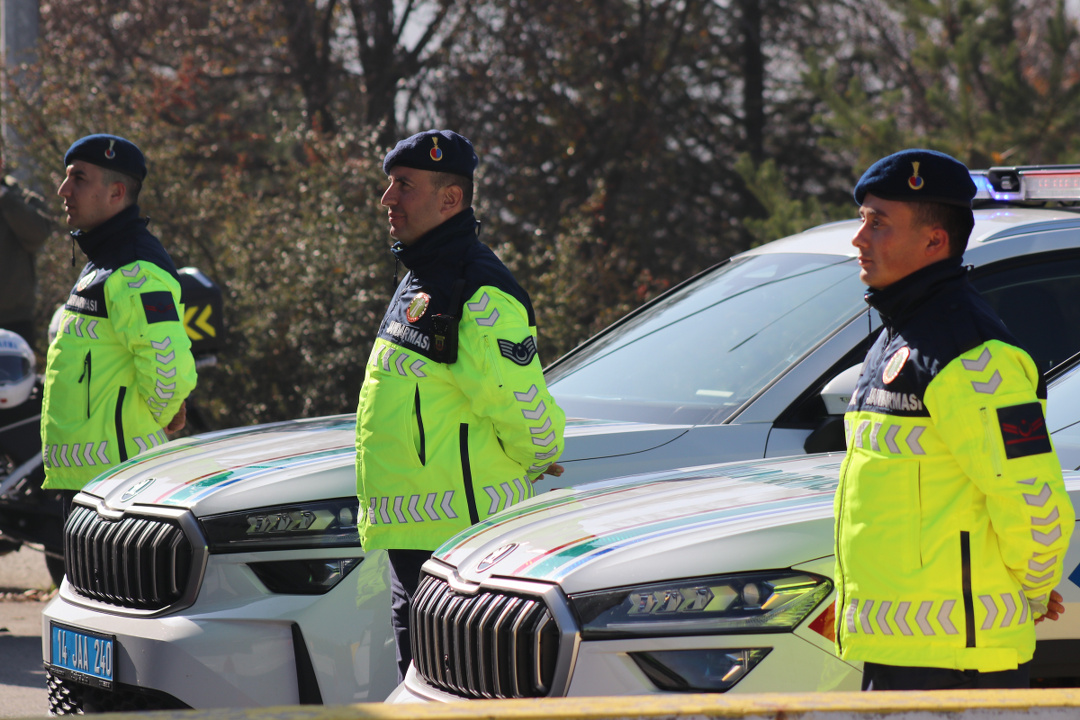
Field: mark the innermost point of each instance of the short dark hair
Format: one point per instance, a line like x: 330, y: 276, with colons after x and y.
x: 133, y: 185
x: 955, y: 220
x: 440, y: 180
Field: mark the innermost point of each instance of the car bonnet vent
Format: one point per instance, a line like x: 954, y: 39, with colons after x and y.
x: 134, y: 562
x: 488, y: 645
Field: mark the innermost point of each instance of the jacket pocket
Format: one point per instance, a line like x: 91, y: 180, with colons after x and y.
x: 119, y: 422
x: 419, y: 441
x: 882, y: 516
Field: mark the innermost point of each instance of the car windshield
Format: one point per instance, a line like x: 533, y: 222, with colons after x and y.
x: 698, y: 354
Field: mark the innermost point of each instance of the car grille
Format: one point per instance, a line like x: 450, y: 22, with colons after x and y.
x: 67, y: 697
x: 488, y: 645
x: 134, y: 562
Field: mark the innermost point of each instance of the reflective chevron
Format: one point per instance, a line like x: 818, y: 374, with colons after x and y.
x: 900, y: 618
x: 912, y: 440
x: 1050, y: 519
x: 853, y: 607
x: 1040, y: 499
x: 990, y: 387
x: 1037, y: 580
x: 991, y: 611
x: 978, y: 364
x: 920, y: 618
x: 75, y: 455
x: 490, y: 320
x: 1023, y: 609
x: 429, y: 507
x: 542, y: 429
x: 415, y: 367
x: 166, y: 373
x: 544, y: 441
x: 480, y: 305
x: 141, y: 443
x: 88, y: 454
x: 416, y: 517
x: 52, y: 456
x: 523, y: 487
x: 90, y: 329
x: 166, y: 359
x: 135, y: 270
x: 890, y: 439
x: 386, y: 358
x: 528, y: 396
x: 78, y: 326
x: 874, y: 430
x: 382, y: 509
x: 860, y: 431
x: 447, y: 510
x: 537, y: 413
x: 943, y: 617
x: 1029, y: 481
x: 137, y: 285
x: 64, y: 457
x: 1046, y: 538
x: 1010, y: 609
x: 495, y: 500
x: 864, y: 617
x: 67, y: 325
x: 883, y: 619
x: 162, y: 344
x: 538, y: 468
x: 401, y: 358
x: 397, y: 508
x: 1042, y: 566
x: 555, y: 451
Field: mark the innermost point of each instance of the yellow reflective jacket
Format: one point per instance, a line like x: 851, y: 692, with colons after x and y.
x: 121, y: 362
x: 441, y: 445
x: 952, y: 519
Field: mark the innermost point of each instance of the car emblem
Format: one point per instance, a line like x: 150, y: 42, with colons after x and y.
x: 495, y: 556
x: 136, y: 489
x: 417, y: 307
x: 895, y: 364
x: 85, y: 281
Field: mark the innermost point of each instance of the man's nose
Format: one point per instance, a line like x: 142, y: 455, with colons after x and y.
x: 388, y: 198
x: 63, y: 190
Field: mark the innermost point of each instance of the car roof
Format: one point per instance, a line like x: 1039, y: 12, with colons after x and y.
x: 994, y: 226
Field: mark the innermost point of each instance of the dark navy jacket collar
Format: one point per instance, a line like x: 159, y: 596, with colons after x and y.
x: 93, y: 242
x: 903, y: 298
x: 448, y: 239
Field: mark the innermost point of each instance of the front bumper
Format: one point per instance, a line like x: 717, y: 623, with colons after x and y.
x: 238, y: 645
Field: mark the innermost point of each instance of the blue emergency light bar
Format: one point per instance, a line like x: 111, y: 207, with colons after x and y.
x: 1034, y: 183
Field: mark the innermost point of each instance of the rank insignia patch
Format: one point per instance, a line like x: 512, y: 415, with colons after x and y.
x: 417, y: 307
x: 159, y: 307
x: 895, y: 364
x: 521, y: 353
x: 1023, y: 430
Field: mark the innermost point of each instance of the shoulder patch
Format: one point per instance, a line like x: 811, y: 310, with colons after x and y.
x: 521, y: 353
x: 1023, y: 430
x: 159, y: 307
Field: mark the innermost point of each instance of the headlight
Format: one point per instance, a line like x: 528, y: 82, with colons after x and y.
x: 327, y: 523
x: 746, y: 603
x: 303, y: 577
x: 706, y: 670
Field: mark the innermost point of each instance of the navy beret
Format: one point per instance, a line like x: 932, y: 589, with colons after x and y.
x: 918, y: 176
x: 110, y: 152
x: 434, y: 150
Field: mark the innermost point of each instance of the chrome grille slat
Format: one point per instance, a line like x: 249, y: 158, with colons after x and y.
x: 133, y: 562
x: 487, y: 645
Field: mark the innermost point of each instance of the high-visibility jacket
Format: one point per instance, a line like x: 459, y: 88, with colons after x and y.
x: 952, y: 518
x: 440, y: 446
x: 121, y: 364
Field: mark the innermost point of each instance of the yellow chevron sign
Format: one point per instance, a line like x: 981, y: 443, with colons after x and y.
x: 200, y: 322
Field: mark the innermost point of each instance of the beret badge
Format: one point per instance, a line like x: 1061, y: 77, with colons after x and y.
x: 109, y: 152
x: 915, y: 182
x: 435, y: 153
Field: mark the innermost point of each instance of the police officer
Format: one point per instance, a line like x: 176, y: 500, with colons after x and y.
x: 454, y: 421
x: 120, y: 366
x: 24, y: 227
x: 951, y: 514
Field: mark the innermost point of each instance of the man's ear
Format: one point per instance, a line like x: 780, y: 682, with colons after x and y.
x: 452, y: 196
x: 117, y: 193
x: 937, y: 242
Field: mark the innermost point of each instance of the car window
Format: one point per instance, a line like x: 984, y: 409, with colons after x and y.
x: 1063, y: 417
x: 699, y: 353
x: 1040, y: 304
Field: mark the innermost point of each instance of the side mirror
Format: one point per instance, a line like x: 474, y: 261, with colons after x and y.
x: 838, y: 392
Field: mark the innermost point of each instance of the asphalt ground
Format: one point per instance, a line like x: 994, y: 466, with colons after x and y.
x: 25, y: 588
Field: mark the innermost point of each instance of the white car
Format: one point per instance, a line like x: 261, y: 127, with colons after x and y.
x: 225, y: 571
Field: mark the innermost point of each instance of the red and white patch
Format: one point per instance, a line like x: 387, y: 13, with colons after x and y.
x: 895, y: 364
x: 417, y: 307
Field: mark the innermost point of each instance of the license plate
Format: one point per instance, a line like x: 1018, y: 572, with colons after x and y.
x: 83, y: 656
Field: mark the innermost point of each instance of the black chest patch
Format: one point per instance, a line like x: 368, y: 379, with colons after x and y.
x: 892, y: 381
x: 88, y: 295
x: 1023, y: 429
x: 408, y: 320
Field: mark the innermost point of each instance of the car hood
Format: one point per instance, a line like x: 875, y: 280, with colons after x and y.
x: 649, y: 528
x: 251, y: 467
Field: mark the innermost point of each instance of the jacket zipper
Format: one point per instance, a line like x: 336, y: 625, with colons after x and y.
x: 466, y: 473
x: 86, y: 373
x: 119, y: 421
x: 965, y: 582
x: 420, y: 426
x: 491, y: 359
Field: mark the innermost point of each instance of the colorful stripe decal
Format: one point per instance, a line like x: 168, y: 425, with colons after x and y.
x: 557, y: 563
